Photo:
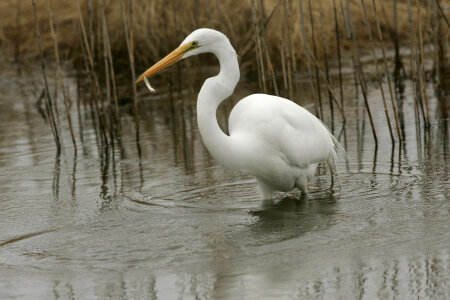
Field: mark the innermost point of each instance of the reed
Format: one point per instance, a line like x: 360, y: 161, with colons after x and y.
x: 61, y: 77
x: 129, y: 37
x: 49, y: 102
x: 338, y: 49
x: 258, y: 49
x: 386, y: 70
x: 308, y: 57
x: 378, y: 74
x: 441, y: 11
x: 153, y: 33
x: 290, y: 59
x: 98, y: 96
x: 423, y: 86
x: 266, y: 49
x: 273, y: 38
x: 357, y: 65
x: 414, y: 66
x: 314, y: 52
x: 442, y: 49
x: 327, y: 69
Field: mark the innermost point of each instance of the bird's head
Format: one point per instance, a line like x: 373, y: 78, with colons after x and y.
x: 200, y: 41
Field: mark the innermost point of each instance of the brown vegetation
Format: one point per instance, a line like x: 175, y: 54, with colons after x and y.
x: 159, y: 26
x: 113, y: 39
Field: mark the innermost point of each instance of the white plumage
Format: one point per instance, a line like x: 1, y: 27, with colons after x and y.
x: 272, y: 138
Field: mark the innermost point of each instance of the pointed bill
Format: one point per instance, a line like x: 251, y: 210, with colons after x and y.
x: 167, y: 61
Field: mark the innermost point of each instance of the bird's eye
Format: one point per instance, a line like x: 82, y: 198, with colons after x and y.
x: 194, y: 43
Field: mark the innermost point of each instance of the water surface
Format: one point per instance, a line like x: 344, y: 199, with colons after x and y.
x: 158, y: 218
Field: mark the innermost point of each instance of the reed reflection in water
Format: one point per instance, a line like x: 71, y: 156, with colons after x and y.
x: 154, y: 216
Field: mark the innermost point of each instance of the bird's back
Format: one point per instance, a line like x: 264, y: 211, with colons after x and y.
x: 283, y: 128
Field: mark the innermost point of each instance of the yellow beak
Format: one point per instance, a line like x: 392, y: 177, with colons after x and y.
x: 167, y: 61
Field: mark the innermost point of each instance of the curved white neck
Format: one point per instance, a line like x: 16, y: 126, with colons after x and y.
x: 213, y: 92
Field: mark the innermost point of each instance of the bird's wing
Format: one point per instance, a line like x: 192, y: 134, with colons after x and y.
x: 284, y: 128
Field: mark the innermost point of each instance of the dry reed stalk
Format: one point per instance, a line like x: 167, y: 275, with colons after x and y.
x: 434, y: 18
x: 283, y: 66
x: 414, y: 64
x: 17, y: 43
x: 247, y: 42
x: 60, y: 75
x: 355, y: 73
x: 313, y: 37
x: 258, y: 47
x: 80, y: 121
x: 208, y: 13
x: 327, y: 71
x: 94, y: 77
x: 328, y: 86
x: 310, y: 56
x: 225, y: 19
x: 412, y: 47
x: 107, y: 77
x: 338, y: 47
x: 443, y: 73
x: 442, y: 12
x: 378, y: 73
x: 398, y: 61
x: 129, y: 36
x: 48, y: 103
x: 386, y: 71
x: 110, y: 62
x: 90, y: 8
x: 421, y: 68
x: 266, y: 49
x: 288, y: 44
x: 308, y: 59
x: 358, y: 68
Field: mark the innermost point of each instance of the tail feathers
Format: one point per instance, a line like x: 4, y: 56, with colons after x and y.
x: 333, y: 159
x: 338, y: 151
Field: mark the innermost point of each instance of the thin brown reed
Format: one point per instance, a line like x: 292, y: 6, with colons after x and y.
x: 327, y: 67
x: 414, y: 66
x: 358, y: 68
x: 386, y: 72
x: 421, y: 72
x: 378, y: 73
x: 266, y: 49
x: 258, y: 49
x: 338, y: 47
x: 314, y: 52
x: 308, y: 59
x: 110, y: 61
x: 61, y: 77
x: 94, y: 77
x: 290, y: 59
x: 48, y: 103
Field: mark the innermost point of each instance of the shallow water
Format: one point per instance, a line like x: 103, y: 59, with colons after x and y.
x: 157, y: 218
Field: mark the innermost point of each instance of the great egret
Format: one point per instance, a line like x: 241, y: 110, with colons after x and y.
x: 272, y: 138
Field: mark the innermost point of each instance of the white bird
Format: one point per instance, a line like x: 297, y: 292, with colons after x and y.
x: 272, y: 138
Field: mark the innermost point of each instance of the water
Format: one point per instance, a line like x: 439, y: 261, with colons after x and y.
x: 173, y: 224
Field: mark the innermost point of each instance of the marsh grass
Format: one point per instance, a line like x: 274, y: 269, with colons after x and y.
x: 155, y: 30
x: 114, y: 40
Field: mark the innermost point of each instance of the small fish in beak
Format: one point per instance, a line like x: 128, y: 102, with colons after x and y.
x: 147, y: 83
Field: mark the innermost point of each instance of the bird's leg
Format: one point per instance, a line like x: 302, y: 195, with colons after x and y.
x: 302, y: 183
x: 303, y: 188
x: 265, y: 190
